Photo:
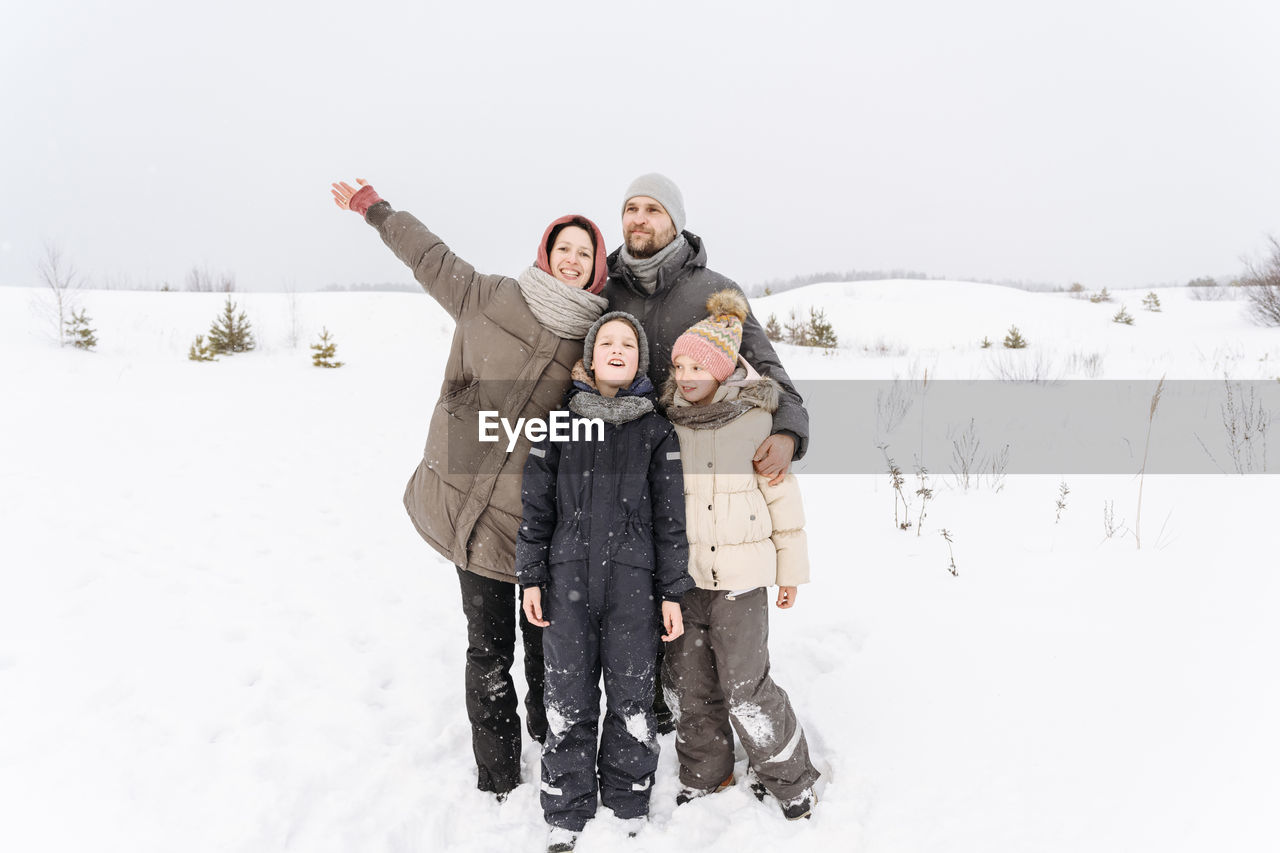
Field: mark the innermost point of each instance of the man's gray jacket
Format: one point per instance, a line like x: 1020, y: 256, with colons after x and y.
x: 679, y: 301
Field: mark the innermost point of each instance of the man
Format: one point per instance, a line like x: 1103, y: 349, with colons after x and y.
x: 660, y: 276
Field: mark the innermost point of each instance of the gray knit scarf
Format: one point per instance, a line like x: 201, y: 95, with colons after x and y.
x: 611, y: 410
x: 566, y: 311
x: 646, y: 269
x: 710, y: 416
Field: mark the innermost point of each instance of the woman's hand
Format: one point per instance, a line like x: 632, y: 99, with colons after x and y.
x: 787, y: 596
x: 343, y: 191
x: 533, y: 606
x: 357, y: 200
x: 672, y: 620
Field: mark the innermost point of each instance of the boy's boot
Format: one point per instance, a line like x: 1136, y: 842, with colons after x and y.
x: 561, y: 840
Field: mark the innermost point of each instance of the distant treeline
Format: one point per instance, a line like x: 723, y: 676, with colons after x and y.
x: 385, y: 286
x: 781, y: 285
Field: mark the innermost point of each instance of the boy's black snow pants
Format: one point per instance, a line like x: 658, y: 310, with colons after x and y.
x: 490, y: 692
x: 602, y: 622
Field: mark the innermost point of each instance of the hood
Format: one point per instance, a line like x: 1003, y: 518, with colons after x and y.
x: 601, y: 272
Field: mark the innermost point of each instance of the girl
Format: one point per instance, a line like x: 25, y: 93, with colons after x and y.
x: 744, y: 535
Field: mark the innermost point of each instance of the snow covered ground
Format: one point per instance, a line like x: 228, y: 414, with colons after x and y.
x: 219, y: 631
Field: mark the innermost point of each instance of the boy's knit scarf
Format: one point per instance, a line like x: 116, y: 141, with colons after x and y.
x: 566, y: 311
x: 756, y: 393
x: 630, y: 403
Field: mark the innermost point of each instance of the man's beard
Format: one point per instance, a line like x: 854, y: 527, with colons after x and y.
x: 643, y: 245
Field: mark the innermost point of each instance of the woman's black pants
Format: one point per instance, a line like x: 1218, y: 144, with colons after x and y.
x: 490, y: 692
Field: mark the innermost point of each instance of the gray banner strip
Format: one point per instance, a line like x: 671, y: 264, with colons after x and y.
x: 991, y: 428
x: 984, y: 428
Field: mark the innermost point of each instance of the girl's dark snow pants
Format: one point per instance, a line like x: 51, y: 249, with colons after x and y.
x: 603, y: 621
x: 490, y: 692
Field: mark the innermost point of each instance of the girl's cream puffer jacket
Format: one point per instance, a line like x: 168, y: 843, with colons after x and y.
x: 743, y: 533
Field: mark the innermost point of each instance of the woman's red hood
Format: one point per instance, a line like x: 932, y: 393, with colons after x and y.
x: 601, y: 261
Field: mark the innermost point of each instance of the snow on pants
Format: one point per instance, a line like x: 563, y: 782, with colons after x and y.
x: 717, y: 681
x: 602, y: 622
x: 490, y: 607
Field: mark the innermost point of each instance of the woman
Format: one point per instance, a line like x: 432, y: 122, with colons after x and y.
x: 514, y: 345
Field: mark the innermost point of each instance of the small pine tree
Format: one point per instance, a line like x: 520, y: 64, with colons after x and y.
x: 1100, y: 296
x: 79, y: 333
x: 986, y: 343
x: 1075, y: 288
x: 773, y: 329
x: 231, y: 333
x: 768, y: 291
x: 1122, y: 316
x: 1014, y: 339
x: 820, y: 332
x: 1151, y: 302
x: 200, y: 350
x: 797, y: 331
x: 325, y: 351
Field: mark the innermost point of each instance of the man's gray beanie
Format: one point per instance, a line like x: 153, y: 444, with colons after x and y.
x: 664, y: 191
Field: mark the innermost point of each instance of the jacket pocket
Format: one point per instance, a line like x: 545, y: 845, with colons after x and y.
x: 638, y: 558
x: 567, y: 542
x: 635, y: 548
x: 461, y: 399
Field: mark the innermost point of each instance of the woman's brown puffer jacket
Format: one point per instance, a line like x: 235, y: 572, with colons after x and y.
x: 464, y: 497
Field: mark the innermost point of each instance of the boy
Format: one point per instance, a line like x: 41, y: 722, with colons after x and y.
x: 602, y: 541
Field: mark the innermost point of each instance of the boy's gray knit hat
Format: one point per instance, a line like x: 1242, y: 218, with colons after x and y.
x: 661, y: 189
x: 642, y: 342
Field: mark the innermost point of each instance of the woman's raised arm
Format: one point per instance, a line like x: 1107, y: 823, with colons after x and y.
x: 449, y: 280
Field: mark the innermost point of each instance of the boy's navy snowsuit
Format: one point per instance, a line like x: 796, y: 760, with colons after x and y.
x: 603, y: 534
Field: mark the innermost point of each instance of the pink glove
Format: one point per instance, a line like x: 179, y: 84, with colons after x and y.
x: 365, y: 198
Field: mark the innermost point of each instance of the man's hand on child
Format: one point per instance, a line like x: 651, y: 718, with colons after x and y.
x: 672, y: 620
x: 787, y: 596
x: 533, y: 607
x: 773, y: 457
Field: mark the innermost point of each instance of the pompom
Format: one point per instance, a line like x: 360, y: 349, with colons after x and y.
x: 728, y: 302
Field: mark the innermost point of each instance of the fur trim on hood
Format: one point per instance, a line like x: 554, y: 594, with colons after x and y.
x: 580, y: 374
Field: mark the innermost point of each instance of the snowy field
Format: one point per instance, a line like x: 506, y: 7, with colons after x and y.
x: 220, y: 632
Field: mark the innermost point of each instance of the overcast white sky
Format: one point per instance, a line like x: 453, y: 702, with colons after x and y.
x: 1113, y: 143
